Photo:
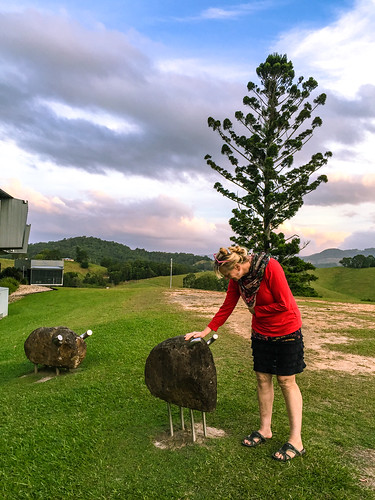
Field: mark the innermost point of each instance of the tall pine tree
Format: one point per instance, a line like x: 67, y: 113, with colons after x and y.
x: 271, y: 187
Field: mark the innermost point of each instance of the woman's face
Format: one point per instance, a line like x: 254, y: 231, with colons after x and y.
x: 235, y: 273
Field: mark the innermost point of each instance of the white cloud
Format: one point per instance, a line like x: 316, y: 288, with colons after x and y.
x: 207, y: 70
x: 340, y: 55
x: 96, y: 117
x: 156, y: 223
x: 344, y: 189
x: 236, y: 11
x: 314, y: 238
x: 217, y: 13
x: 89, y: 99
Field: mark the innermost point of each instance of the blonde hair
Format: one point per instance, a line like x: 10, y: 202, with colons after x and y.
x: 227, y: 258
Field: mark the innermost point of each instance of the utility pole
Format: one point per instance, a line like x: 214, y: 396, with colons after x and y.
x: 170, y: 280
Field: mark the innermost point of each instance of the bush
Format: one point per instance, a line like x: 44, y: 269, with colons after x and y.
x: 206, y: 281
x: 11, y: 272
x: 94, y: 279
x: 115, y: 277
x: 71, y: 279
x: 10, y: 283
x: 189, y: 281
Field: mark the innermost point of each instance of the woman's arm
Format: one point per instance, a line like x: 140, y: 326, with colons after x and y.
x: 223, y: 313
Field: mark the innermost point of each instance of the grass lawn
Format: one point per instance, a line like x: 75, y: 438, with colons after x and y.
x: 89, y: 434
x: 6, y: 263
x: 75, y: 267
x: 346, y: 284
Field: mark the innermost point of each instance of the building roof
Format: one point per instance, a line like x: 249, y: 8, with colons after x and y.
x: 4, y: 195
x: 47, y: 264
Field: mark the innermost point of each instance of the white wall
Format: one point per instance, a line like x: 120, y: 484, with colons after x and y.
x: 4, y: 293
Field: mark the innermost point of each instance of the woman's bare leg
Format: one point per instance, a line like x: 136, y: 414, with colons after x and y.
x: 293, y: 401
x: 265, y: 402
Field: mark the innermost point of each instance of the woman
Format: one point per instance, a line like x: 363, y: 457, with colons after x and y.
x: 276, y: 339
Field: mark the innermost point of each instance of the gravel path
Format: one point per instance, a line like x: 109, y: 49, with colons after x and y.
x: 26, y: 290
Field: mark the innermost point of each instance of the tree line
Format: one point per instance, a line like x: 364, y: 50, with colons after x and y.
x: 96, y: 250
x: 141, y: 269
x: 358, y: 261
x: 120, y: 262
x: 118, y: 272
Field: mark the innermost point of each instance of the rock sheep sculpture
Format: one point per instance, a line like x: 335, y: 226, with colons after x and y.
x: 183, y: 373
x: 57, y: 347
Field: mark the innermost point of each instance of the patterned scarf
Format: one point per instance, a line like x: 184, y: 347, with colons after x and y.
x: 250, y: 283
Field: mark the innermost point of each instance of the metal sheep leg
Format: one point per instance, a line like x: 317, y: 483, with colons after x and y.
x: 204, y: 424
x: 170, y: 418
x: 182, y: 418
x: 192, y: 425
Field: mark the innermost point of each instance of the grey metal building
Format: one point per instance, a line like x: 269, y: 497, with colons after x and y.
x: 42, y: 272
x: 14, y: 232
x: 47, y: 272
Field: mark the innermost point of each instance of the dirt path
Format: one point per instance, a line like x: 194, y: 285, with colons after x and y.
x: 320, y: 322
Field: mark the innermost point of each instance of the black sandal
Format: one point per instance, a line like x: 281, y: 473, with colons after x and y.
x: 285, y: 457
x: 255, y: 439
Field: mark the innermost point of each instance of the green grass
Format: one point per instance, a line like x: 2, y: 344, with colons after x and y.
x: 361, y: 341
x: 345, y: 284
x: 89, y: 434
x: 75, y: 267
x: 6, y: 263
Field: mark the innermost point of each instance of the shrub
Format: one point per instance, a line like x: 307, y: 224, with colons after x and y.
x: 189, y: 281
x: 71, y: 279
x: 94, y: 279
x: 115, y: 277
x: 11, y: 272
x: 10, y: 283
x: 206, y: 281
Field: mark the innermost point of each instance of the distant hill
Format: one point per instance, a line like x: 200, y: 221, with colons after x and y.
x: 332, y: 256
x: 98, y: 250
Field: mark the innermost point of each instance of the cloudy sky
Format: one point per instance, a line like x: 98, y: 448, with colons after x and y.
x: 104, y: 107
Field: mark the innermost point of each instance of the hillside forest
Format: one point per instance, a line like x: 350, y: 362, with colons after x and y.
x: 99, y: 263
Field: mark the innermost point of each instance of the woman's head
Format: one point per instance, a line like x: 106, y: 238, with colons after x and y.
x: 226, y: 259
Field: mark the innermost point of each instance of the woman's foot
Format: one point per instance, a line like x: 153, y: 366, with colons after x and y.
x: 254, y: 439
x: 288, y: 452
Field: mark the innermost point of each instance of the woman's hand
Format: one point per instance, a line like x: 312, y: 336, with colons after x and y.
x: 196, y: 335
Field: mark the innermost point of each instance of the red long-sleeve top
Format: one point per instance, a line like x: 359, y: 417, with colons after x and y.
x: 276, y: 311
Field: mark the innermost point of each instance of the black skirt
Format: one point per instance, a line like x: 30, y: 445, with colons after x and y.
x: 278, y: 355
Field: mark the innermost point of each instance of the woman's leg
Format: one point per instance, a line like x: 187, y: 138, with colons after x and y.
x: 293, y: 401
x: 265, y: 402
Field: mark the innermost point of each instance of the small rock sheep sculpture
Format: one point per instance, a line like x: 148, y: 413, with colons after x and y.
x: 56, y: 346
